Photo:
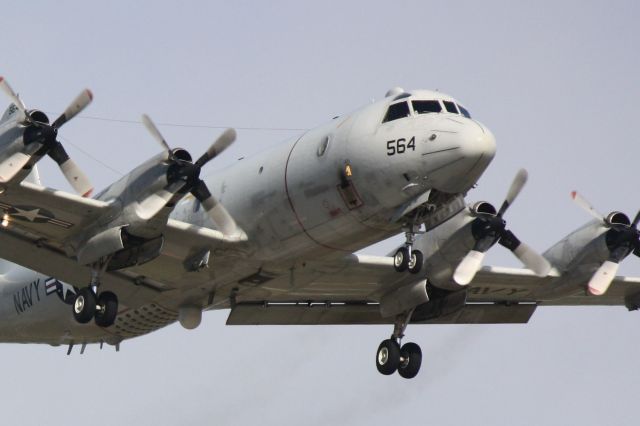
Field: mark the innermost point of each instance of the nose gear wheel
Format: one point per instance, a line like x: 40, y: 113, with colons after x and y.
x: 407, y: 259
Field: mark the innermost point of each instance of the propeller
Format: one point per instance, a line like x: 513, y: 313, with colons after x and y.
x: 183, y: 176
x: 40, y: 138
x: 489, y: 228
x: 622, y: 239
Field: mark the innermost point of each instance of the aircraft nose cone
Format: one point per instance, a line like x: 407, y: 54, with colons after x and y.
x: 476, y: 147
x: 477, y: 143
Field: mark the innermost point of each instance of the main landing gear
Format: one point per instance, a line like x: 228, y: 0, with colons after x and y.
x: 406, y: 258
x: 89, y: 305
x: 102, y: 307
x: 392, y: 356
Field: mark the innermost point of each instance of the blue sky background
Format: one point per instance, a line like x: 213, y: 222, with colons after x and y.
x: 557, y: 83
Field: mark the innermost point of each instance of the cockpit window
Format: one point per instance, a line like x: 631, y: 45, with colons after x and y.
x: 464, y: 111
x: 423, y: 107
x: 451, y: 107
x: 396, y: 111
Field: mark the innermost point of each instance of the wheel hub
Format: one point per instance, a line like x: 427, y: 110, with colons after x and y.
x: 383, y: 356
x: 404, y: 361
x: 78, y: 306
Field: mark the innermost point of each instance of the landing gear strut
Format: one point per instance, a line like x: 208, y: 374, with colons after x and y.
x: 406, y: 258
x: 88, y: 305
x: 392, y: 357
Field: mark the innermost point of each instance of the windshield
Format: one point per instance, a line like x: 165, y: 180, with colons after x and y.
x: 423, y: 107
x: 396, y: 111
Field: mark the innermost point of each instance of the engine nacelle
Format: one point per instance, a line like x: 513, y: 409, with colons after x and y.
x: 120, y: 248
x: 483, y: 207
x: 441, y: 303
x: 617, y: 218
x: 403, y: 299
x: 38, y: 116
x: 446, y: 245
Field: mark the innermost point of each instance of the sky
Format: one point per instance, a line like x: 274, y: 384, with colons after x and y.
x: 556, y: 82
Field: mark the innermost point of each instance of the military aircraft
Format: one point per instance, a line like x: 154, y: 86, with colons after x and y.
x: 273, y: 237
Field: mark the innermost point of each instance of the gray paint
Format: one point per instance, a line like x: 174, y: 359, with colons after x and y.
x: 555, y: 82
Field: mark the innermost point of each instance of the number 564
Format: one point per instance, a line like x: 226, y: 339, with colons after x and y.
x: 399, y: 146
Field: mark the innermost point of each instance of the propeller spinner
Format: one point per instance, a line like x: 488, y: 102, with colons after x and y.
x: 489, y: 228
x: 184, y: 176
x: 40, y: 138
x: 622, y: 239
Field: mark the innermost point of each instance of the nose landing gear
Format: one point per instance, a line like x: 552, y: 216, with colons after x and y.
x: 406, y: 258
x: 392, y: 357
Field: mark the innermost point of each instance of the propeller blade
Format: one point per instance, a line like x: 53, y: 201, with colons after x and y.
x: 468, y: 268
x: 12, y: 165
x: 529, y: 257
x: 214, y: 209
x: 4, y: 85
x: 150, y: 206
x: 532, y: 260
x: 155, y: 132
x: 636, y: 219
x: 223, y: 142
x: 79, y: 103
x: 76, y: 178
x: 585, y: 205
x: 516, y: 186
x: 603, y: 277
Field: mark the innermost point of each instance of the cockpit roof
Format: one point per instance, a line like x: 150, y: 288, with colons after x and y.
x: 420, y: 94
x: 407, y: 103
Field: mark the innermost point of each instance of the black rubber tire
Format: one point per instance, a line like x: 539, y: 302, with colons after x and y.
x: 84, y: 305
x: 109, y: 302
x: 412, y: 360
x: 401, y: 259
x: 417, y: 258
x: 388, y: 357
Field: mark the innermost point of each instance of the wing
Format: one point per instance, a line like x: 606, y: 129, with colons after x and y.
x: 46, y: 213
x: 36, y: 222
x: 351, y: 292
x: 511, y: 285
x: 198, y: 263
x: 496, y: 295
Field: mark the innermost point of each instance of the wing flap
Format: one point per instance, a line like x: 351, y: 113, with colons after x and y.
x: 512, y: 285
x: 357, y: 314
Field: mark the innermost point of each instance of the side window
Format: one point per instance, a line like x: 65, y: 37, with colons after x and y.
x: 396, y: 111
x: 423, y: 107
x: 464, y: 111
x: 451, y: 107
